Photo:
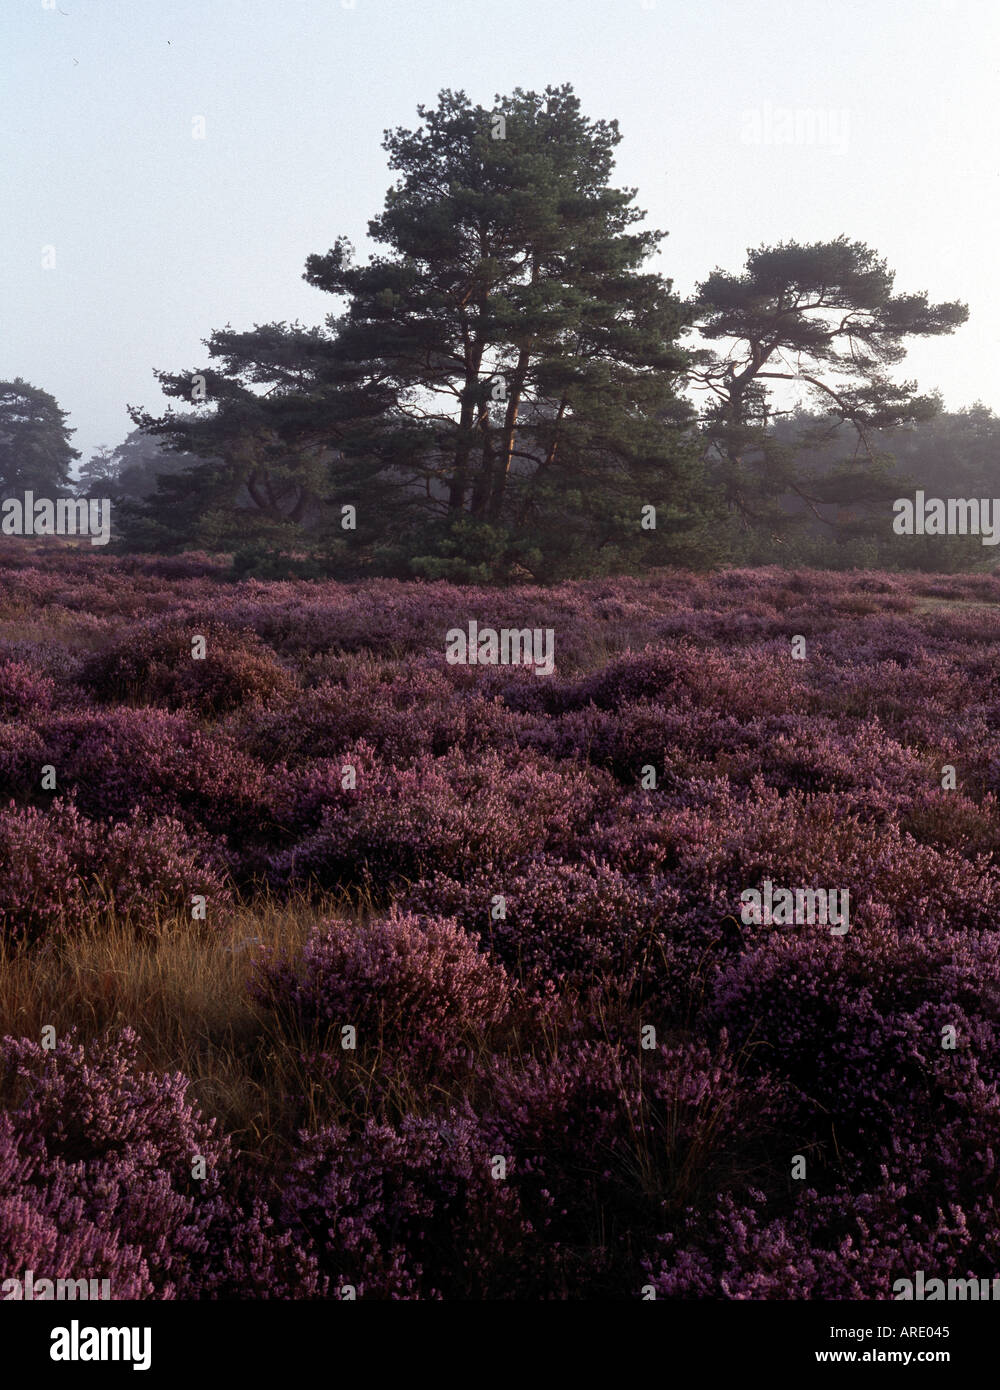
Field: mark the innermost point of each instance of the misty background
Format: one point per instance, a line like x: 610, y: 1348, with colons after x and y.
x: 160, y: 237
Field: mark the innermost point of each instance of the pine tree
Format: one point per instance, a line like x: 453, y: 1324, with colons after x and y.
x: 498, y: 395
x: 35, y: 452
x: 823, y: 317
x: 533, y: 359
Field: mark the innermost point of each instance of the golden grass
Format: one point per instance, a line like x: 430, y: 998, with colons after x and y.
x: 185, y: 992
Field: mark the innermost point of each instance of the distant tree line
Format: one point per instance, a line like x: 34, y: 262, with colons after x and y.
x: 508, y: 391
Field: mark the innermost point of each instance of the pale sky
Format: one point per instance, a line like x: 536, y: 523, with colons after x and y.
x: 159, y: 237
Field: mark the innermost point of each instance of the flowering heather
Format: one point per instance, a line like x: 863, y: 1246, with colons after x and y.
x: 415, y: 1212
x: 98, y: 1158
x: 573, y: 922
x: 604, y: 1135
x: 154, y: 665
x: 23, y: 689
x: 456, y: 812
x: 121, y: 761
x: 416, y: 989
x: 575, y: 1071
x: 844, y: 1247
x: 58, y: 869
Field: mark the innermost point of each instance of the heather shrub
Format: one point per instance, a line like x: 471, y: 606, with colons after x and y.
x: 871, y: 773
x: 454, y: 813
x: 401, y: 714
x: 842, y: 1246
x: 654, y: 674
x: 685, y: 674
x: 85, y: 1102
x: 414, y: 1212
x: 154, y: 665
x: 590, y: 735
x: 708, y: 1124
x: 120, y: 761
x: 58, y: 870
x: 952, y: 821
x: 193, y: 564
x: 148, y: 869
x: 23, y: 690
x: 606, y: 1138
x: 96, y: 1147
x: 716, y: 840
x: 570, y: 922
x: 41, y: 889
x: 865, y: 684
x: 858, y: 1026
x: 22, y: 756
x: 417, y: 990
x: 44, y: 1226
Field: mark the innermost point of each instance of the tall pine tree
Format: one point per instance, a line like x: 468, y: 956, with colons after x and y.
x: 822, y: 318
x: 533, y: 359
x: 498, y: 394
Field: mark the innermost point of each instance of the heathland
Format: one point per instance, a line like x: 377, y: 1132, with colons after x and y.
x: 332, y: 967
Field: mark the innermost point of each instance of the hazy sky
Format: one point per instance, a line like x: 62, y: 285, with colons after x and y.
x: 160, y: 237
